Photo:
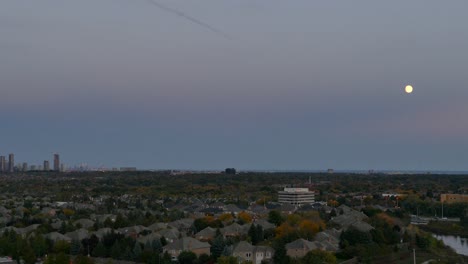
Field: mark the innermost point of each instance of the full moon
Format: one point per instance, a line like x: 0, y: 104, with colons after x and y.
x: 408, y: 89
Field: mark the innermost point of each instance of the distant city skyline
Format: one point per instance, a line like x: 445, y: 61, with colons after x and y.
x: 298, y: 85
x: 15, y: 165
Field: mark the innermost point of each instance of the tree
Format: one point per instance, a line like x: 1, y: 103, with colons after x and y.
x: 137, y: 251
x: 61, y: 247
x: 253, y: 234
x: 227, y: 260
x: 352, y: 237
x: 218, y: 246
x: 157, y: 245
x: 308, y: 228
x: 275, y: 217
x: 68, y: 212
x: 226, y: 217
x: 75, y: 247
x: 187, y: 257
x: 115, y: 251
x: 99, y: 251
x: 60, y: 258
x: 204, y: 258
x: 28, y: 255
x: 200, y: 224
x: 319, y: 256
x: 147, y: 247
x: 163, y: 241
x: 83, y: 260
x: 260, y: 234
x: 244, y: 217
x: 280, y: 252
x: 90, y: 243
x: 39, y: 245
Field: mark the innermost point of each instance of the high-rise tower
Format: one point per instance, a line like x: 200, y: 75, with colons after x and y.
x: 2, y: 164
x: 56, y: 162
x: 46, y: 165
x: 11, y: 163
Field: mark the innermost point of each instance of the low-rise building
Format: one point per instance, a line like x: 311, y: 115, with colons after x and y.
x: 187, y: 244
x: 244, y: 251
x: 296, y: 196
x: 454, y: 198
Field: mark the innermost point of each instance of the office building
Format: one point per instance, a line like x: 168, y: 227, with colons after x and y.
x: 25, y: 166
x: 453, y: 198
x: 56, y: 162
x: 46, y: 165
x: 296, y: 196
x: 11, y: 163
x: 2, y: 164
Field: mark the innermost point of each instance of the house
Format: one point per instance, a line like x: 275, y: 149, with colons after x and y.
x: 49, y: 211
x: 183, y: 225
x: 349, y: 217
x: 55, y: 236
x: 170, y: 234
x: 102, y: 218
x: 232, y: 209
x: 264, y: 224
x: 244, y: 251
x: 187, y: 244
x: 7, y: 260
x: 300, y: 247
x: 287, y: 208
x: 102, y: 232
x: 56, y: 225
x: 258, y: 209
x: 132, y: 231
x: 206, y: 234
x: 235, y: 230
x: 84, y: 223
x: 79, y: 234
x: 329, y: 239
x: 157, y: 226
x: 149, y: 238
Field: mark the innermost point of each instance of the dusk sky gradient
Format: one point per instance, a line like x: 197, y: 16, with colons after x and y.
x: 298, y: 85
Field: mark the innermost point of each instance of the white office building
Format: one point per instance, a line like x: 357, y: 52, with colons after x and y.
x: 296, y: 196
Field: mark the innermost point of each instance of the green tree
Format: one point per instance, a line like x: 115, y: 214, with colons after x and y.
x: 275, y: 217
x: 217, y: 246
x: 253, y: 234
x: 319, y: 256
x: 204, y: 258
x: 259, y: 234
x: 60, y: 258
x: 227, y: 260
x: 280, y: 252
x: 115, y: 251
x: 75, y: 247
x: 137, y: 251
x: 39, y: 245
x: 28, y: 255
x: 352, y: 237
x: 83, y: 260
x: 99, y: 250
x: 157, y: 245
x: 61, y: 247
x: 187, y: 257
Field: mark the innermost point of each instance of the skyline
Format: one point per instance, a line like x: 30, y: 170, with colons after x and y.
x: 299, y: 86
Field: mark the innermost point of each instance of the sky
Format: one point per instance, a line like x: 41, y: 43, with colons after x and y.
x: 257, y: 84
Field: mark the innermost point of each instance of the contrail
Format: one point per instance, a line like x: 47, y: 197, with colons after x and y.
x: 189, y: 18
